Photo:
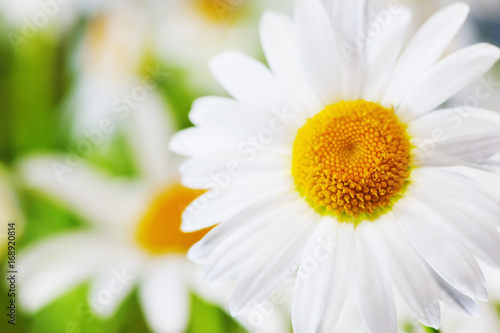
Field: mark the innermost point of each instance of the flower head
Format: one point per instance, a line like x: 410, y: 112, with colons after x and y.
x: 336, y: 164
x: 134, y: 238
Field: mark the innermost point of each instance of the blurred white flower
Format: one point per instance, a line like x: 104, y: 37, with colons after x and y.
x: 107, y: 65
x: 134, y: 238
x: 189, y: 32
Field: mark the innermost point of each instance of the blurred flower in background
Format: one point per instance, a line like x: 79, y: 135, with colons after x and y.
x: 135, y: 238
x: 108, y: 61
x: 90, y: 100
x: 189, y: 32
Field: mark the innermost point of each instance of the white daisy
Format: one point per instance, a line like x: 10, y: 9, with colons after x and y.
x: 134, y: 238
x: 108, y: 66
x: 335, y: 164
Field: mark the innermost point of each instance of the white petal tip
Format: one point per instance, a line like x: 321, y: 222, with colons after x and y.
x: 463, y: 7
x: 235, y: 309
x: 195, y: 255
x: 176, y: 145
x: 220, y: 60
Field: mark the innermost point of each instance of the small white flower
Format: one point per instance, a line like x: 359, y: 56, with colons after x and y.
x: 134, y: 238
x: 108, y: 65
x: 338, y: 164
x: 189, y: 32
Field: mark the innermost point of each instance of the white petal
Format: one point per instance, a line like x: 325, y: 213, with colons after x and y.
x: 485, y: 182
x: 349, y: 18
x: 165, y: 299
x: 374, y: 290
x: 449, y: 123
x: 383, y: 51
x: 471, y: 148
x: 456, y: 300
x: 342, y: 280
x: 279, y: 43
x: 221, y: 203
x: 149, y: 130
x: 480, y: 235
x: 199, y: 141
x: 99, y: 199
x: 424, y: 50
x: 250, y: 82
x: 314, y: 278
x: 114, y: 280
x: 324, y: 278
x: 411, y: 275
x: 318, y: 49
x: 438, y: 245
x: 213, y: 112
x: 233, y: 231
x: 231, y: 249
x: 55, y: 266
x: 465, y: 183
x: 446, y: 78
x: 198, y: 172
x: 278, y: 258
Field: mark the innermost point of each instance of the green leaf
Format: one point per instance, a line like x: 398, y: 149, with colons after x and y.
x: 431, y: 330
x: 45, y: 217
x: 208, y: 318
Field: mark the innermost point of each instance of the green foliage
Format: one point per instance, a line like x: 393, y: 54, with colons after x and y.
x: 206, y: 317
x: 431, y: 330
x: 44, y: 218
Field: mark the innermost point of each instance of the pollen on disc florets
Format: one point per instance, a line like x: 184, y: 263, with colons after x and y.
x: 352, y: 160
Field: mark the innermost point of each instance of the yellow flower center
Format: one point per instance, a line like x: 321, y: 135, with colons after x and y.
x: 352, y: 160
x: 221, y: 11
x: 159, y: 231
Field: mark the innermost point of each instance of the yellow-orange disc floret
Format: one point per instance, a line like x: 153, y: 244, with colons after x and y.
x: 352, y: 159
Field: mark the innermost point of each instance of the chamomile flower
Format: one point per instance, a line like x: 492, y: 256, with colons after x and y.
x: 134, y: 239
x: 337, y: 165
x: 108, y: 65
x: 189, y: 32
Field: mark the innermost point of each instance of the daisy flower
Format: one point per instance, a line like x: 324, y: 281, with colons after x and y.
x: 336, y: 164
x: 134, y: 239
x: 189, y: 32
x: 108, y: 64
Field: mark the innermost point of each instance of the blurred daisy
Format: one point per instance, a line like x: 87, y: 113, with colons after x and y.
x: 135, y: 237
x: 108, y: 65
x: 332, y: 164
x: 189, y: 32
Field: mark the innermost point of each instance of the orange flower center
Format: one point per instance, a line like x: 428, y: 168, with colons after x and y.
x: 352, y: 160
x: 221, y: 11
x: 159, y: 231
